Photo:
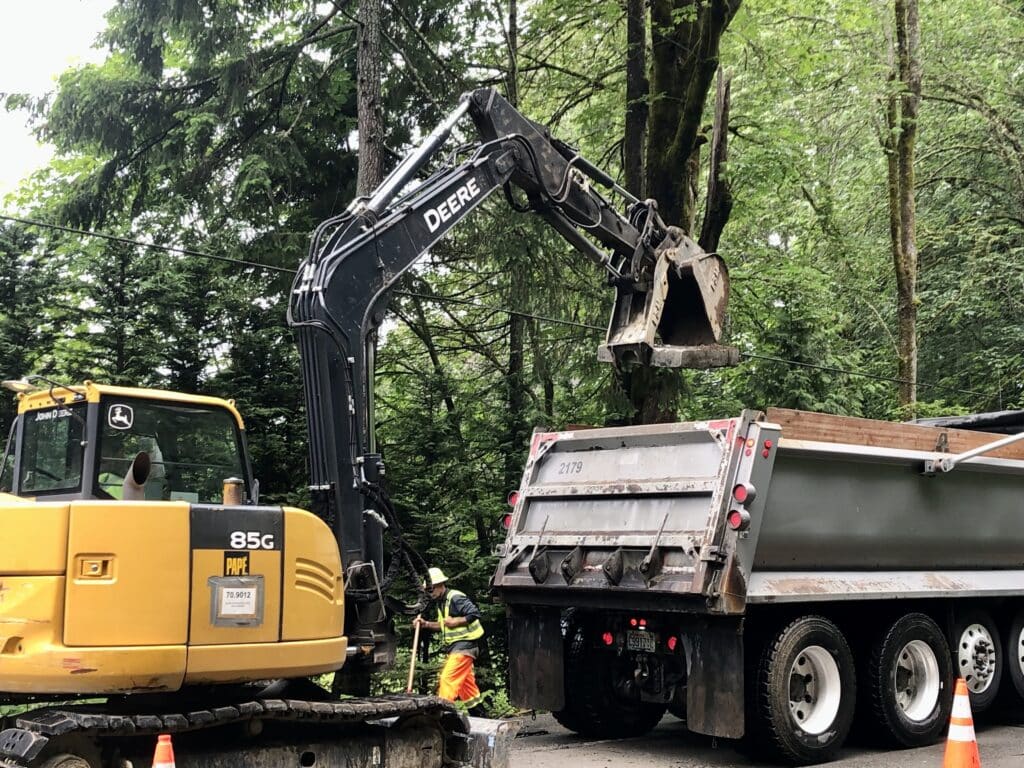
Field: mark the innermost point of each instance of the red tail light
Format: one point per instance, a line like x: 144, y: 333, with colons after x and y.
x: 672, y: 642
x: 744, y: 493
x: 643, y: 623
x: 739, y: 519
x: 506, y: 521
x: 608, y: 638
x: 632, y: 622
x: 513, y: 498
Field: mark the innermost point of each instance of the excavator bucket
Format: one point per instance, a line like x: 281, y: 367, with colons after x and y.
x: 677, y: 321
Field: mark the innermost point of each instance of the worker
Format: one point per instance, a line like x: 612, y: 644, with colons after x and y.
x: 458, y: 621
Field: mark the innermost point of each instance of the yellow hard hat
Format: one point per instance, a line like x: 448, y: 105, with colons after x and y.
x: 435, y: 576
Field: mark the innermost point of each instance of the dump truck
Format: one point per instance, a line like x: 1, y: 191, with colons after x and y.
x: 774, y: 576
x: 146, y: 588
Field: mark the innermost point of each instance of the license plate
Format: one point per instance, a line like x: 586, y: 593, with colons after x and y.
x: 640, y: 641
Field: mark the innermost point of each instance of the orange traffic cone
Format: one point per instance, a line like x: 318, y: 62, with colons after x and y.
x: 164, y: 755
x: 961, y: 746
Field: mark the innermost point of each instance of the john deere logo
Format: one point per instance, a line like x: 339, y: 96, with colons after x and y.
x: 121, y: 416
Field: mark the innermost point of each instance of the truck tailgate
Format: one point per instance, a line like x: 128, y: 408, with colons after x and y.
x: 638, y: 512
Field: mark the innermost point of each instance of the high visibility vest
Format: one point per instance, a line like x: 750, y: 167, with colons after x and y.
x: 474, y: 630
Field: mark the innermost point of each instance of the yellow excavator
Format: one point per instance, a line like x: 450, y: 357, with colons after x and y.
x: 145, y: 589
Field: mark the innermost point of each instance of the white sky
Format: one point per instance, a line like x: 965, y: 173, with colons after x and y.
x: 38, y: 40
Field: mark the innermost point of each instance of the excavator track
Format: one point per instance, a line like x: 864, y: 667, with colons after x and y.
x: 24, y: 743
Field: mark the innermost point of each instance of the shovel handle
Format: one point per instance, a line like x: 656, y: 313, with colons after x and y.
x: 412, y: 656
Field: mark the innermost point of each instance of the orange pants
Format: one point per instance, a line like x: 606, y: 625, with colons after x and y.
x: 458, y: 681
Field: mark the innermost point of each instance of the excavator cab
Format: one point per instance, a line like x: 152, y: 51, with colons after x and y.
x: 85, y: 443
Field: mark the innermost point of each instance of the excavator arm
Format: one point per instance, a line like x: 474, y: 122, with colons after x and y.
x: 670, y: 301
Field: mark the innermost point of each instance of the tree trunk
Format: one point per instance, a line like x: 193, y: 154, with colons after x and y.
x: 684, y: 58
x: 516, y: 430
x: 512, y: 43
x: 900, y: 143
x: 718, y: 205
x: 685, y: 37
x: 637, y: 88
x: 368, y: 96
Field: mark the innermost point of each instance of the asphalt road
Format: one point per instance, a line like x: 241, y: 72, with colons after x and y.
x: 542, y: 743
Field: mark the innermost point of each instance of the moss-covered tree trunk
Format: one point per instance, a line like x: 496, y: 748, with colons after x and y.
x: 685, y: 36
x: 899, y: 143
x: 637, y: 89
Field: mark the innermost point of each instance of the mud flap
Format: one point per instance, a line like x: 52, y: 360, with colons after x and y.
x: 714, y: 689
x: 536, y: 658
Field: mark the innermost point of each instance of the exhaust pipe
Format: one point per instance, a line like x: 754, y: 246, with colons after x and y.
x: 134, y: 486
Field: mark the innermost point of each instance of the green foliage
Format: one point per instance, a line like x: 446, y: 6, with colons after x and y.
x: 226, y: 127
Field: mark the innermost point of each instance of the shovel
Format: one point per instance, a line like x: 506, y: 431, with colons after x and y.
x: 412, y: 656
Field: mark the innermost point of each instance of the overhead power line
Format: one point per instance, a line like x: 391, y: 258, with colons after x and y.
x: 153, y: 246
x: 463, y: 302
x: 513, y: 312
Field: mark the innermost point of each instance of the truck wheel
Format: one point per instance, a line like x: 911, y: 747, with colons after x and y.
x: 66, y: 761
x: 978, y: 657
x: 806, y: 686
x: 909, y: 679
x: 572, y: 716
x: 1014, y: 647
x: 593, y: 707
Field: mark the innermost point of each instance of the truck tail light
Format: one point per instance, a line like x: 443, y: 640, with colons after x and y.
x: 513, y: 498
x: 672, y: 642
x: 506, y: 521
x: 744, y: 493
x: 607, y: 638
x: 739, y: 519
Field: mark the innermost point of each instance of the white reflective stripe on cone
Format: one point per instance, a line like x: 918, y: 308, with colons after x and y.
x: 961, y: 732
x: 961, y: 706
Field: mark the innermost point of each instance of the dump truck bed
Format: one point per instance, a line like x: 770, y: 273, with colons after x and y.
x: 839, y: 508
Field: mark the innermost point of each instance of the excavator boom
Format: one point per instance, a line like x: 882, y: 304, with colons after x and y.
x: 670, y: 300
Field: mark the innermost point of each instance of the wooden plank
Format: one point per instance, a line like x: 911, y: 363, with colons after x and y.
x: 828, y: 428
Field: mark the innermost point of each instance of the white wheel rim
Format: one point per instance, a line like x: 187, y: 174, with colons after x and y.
x: 976, y: 657
x: 1020, y: 651
x: 915, y: 680
x: 815, y: 690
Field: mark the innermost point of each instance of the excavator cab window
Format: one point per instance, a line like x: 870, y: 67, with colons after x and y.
x: 192, y: 449
x: 51, y: 457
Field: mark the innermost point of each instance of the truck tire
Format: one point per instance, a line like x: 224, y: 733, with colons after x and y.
x: 908, y: 682
x: 805, y: 692
x: 593, y: 708
x: 977, y: 657
x: 67, y: 761
x: 1013, y: 646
